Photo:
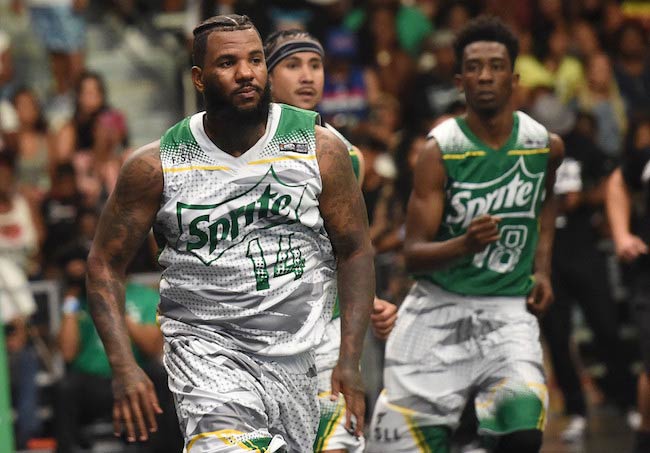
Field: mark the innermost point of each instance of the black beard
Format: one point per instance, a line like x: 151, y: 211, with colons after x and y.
x: 217, y: 105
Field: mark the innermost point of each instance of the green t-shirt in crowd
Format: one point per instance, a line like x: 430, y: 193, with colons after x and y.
x: 141, y: 305
x: 412, y: 26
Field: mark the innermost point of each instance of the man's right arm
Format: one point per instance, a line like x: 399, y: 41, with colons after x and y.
x: 124, y: 224
x: 424, y: 215
x: 617, y: 201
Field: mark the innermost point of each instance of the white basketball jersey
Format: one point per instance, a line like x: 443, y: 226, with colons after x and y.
x: 248, y: 263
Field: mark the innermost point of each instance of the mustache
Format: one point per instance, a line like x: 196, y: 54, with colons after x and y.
x: 247, y: 85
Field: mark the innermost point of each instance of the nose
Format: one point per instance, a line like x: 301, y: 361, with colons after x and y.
x: 306, y: 75
x: 486, y: 74
x: 244, y: 71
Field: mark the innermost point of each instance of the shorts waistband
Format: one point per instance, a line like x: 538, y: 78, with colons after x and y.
x: 438, y: 296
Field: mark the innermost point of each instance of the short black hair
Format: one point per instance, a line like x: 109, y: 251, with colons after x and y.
x: 486, y: 28
x: 229, y: 22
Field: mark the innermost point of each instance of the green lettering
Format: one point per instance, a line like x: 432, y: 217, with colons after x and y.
x: 264, y: 201
x: 249, y: 213
x: 234, y: 220
x: 280, y: 204
x: 198, y: 233
x: 218, y: 234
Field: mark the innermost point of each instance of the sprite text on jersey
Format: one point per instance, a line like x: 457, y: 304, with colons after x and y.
x: 513, y: 194
x: 209, y: 230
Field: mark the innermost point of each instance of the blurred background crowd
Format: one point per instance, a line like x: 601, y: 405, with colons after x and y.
x: 83, y: 82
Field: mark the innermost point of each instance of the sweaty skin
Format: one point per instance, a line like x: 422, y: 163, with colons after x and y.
x: 232, y: 80
x: 343, y: 210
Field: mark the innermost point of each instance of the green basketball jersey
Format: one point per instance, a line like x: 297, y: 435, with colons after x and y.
x: 508, y: 183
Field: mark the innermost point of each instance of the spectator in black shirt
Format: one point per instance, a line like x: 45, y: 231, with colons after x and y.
x: 631, y: 241
x: 632, y: 67
x: 580, y: 275
x: 59, y: 211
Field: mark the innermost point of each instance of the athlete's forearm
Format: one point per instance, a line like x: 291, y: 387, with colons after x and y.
x: 123, y: 226
x: 617, y: 202
x: 431, y: 256
x: 106, y: 302
x: 356, y: 289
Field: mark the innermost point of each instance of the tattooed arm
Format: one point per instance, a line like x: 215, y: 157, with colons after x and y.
x: 346, y: 222
x: 123, y: 226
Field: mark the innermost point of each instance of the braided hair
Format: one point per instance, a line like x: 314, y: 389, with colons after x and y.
x: 229, y: 22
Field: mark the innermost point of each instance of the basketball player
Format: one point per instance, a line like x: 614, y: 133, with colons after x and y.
x: 295, y: 63
x: 259, y: 215
x: 479, y: 231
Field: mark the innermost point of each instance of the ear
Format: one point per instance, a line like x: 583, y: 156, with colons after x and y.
x: 515, y: 80
x: 197, y: 79
x: 458, y: 81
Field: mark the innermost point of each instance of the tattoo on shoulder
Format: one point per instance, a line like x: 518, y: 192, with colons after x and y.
x: 328, y: 144
x: 132, y: 207
x: 341, y: 200
x: 141, y: 174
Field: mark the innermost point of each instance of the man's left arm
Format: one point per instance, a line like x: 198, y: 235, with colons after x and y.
x: 346, y: 221
x: 541, y: 297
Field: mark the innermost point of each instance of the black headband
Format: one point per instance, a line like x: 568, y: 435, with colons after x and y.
x: 289, y: 48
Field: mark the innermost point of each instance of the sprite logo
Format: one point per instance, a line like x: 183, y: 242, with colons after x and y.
x: 208, y: 231
x: 513, y: 194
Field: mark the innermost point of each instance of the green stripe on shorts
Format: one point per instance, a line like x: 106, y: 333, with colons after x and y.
x: 431, y: 439
x: 329, y: 420
x: 519, y: 413
x: 260, y: 444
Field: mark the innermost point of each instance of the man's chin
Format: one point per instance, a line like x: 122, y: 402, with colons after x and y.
x: 247, y: 106
x: 305, y: 105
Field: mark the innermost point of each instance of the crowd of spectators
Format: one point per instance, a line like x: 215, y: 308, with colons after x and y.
x: 584, y: 73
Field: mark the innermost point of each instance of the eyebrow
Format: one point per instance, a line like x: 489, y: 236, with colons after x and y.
x: 294, y: 58
x: 476, y: 59
x: 233, y: 56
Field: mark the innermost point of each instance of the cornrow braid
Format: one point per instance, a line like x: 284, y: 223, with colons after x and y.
x: 230, y: 22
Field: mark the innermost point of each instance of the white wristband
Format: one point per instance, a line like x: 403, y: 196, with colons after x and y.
x: 70, y: 305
